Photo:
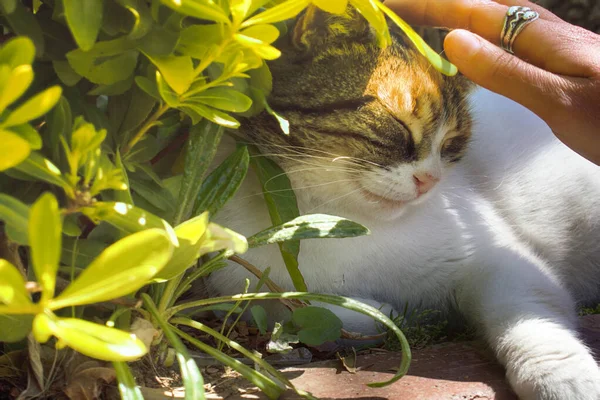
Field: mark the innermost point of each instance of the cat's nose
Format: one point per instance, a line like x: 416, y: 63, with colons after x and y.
x: 424, y: 181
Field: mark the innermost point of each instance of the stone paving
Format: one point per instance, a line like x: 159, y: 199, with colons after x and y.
x: 452, y: 371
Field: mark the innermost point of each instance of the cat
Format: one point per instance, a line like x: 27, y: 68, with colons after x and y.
x: 472, y: 203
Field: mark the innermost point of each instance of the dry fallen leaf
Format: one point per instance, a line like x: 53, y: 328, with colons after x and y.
x: 86, y: 379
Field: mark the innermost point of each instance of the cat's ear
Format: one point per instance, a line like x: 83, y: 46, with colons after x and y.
x: 315, y: 28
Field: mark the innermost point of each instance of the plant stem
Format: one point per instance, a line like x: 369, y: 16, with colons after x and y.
x: 145, y: 128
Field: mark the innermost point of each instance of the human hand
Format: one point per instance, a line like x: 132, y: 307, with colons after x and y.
x: 555, y: 71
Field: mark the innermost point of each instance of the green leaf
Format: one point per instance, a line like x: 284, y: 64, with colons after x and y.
x: 17, y: 83
x: 114, y: 89
x: 121, y: 269
x: 93, y: 340
x: 66, y: 73
x: 202, y: 9
x: 222, y: 98
x: 24, y: 23
x: 281, y: 12
x: 12, y: 285
x: 317, y: 325
x: 14, y: 328
x: 160, y: 41
x: 45, y: 229
x: 14, y: 149
x: 221, y: 184
x: 198, y: 111
x: 107, y: 62
x: 165, y: 91
x: 41, y: 168
x: 281, y: 209
x: 148, y: 86
x: 84, y: 18
x: 127, y: 387
x: 15, y: 216
x: 260, y: 318
x: 142, y: 16
x: 190, y: 374
x: 17, y: 51
x: 212, y: 35
x: 35, y: 107
x: 126, y: 217
x: 9, y: 6
x: 137, y: 108
x: 59, y: 124
x: 80, y: 252
x: 203, y: 142
x: 313, y: 226
x: 27, y: 132
x: 177, y: 71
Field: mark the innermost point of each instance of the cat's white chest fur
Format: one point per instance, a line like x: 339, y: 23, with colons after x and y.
x: 509, y: 237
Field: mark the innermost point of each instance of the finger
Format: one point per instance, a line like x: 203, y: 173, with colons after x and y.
x: 544, y: 13
x: 493, y: 68
x: 553, y: 45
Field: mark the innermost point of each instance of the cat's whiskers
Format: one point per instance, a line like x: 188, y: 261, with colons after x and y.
x: 335, y: 199
x: 294, y: 171
x: 301, y: 151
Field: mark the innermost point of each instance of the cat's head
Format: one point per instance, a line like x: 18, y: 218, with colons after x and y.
x: 371, y: 129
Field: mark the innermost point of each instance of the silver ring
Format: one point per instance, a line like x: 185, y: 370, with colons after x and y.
x: 516, y: 19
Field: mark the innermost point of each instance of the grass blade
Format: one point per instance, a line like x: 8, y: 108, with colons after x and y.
x: 127, y: 387
x: 192, y: 378
x: 341, y: 301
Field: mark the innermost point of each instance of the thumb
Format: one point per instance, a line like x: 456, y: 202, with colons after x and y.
x: 493, y: 68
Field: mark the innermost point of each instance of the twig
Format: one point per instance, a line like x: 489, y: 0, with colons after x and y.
x: 273, y: 287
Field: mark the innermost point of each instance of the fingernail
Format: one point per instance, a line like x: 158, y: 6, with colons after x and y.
x: 463, y: 45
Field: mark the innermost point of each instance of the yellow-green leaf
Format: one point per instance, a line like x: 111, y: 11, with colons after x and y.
x: 45, y: 229
x: 261, y: 48
x: 286, y: 10
x: 332, y: 6
x: 442, y: 65
x: 121, y: 269
x: 17, y: 51
x: 189, y: 235
x: 198, y: 111
x: 16, y: 84
x: 219, y: 238
x: 226, y: 99
x: 178, y: 71
x: 203, y: 9
x: 35, y: 107
x: 14, y: 149
x: 239, y: 9
x: 128, y: 218
x: 12, y: 285
x: 371, y: 12
x: 266, y: 33
x: 93, y: 340
x: 84, y: 18
x: 27, y: 132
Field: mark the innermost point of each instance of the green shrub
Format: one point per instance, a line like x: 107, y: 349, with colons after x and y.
x: 96, y: 99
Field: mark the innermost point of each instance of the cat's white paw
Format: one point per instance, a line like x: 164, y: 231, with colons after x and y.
x: 575, y: 377
x: 550, y: 364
